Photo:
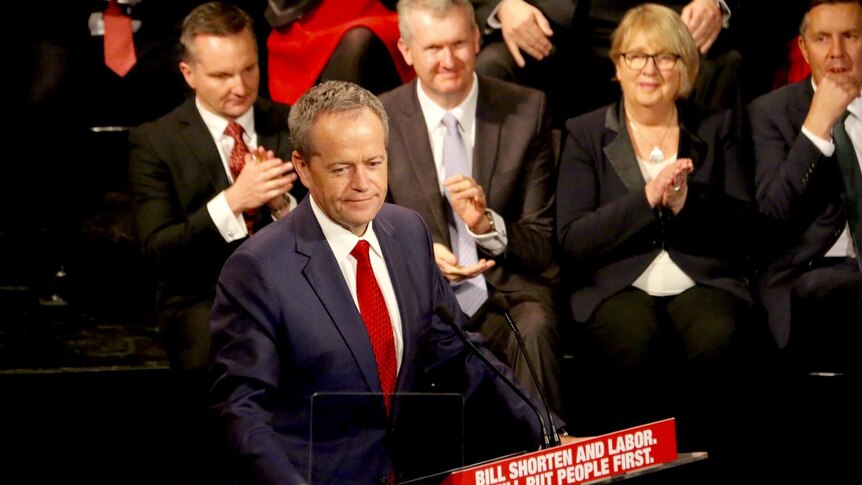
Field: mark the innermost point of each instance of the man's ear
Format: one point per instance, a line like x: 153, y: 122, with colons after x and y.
x: 405, y: 51
x: 188, y: 74
x: 300, y: 165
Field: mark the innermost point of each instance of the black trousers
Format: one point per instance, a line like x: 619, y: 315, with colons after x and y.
x: 826, y: 317
x: 672, y: 356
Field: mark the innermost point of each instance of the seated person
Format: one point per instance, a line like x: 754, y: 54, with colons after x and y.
x: 650, y: 203
x: 811, y: 285
x: 319, y: 40
x: 536, y: 42
x: 483, y: 183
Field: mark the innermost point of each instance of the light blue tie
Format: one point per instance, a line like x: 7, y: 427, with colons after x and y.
x: 473, y: 292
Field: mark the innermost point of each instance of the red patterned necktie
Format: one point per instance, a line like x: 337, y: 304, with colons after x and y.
x: 372, y: 307
x: 119, y: 43
x: 237, y: 162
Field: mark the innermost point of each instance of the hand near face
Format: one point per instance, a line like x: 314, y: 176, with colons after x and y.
x: 834, y: 93
x: 468, y: 202
x: 670, y: 187
x: 704, y: 20
x: 263, y: 179
x: 448, y: 264
x: 524, y: 29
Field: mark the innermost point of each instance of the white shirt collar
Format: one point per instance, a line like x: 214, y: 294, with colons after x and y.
x: 341, y: 240
x: 856, y: 107
x: 464, y: 112
x: 216, y: 124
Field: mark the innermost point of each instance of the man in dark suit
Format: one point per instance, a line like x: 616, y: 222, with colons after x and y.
x: 503, y: 199
x: 811, y: 285
x: 191, y: 210
x: 332, y: 312
x: 198, y: 192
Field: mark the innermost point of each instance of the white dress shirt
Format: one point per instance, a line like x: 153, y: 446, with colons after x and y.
x: 342, y: 242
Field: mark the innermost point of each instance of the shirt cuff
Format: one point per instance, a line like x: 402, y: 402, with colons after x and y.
x: 230, y: 227
x: 826, y: 147
x: 291, y: 203
x: 494, y: 242
x: 725, y: 13
x: 493, y: 22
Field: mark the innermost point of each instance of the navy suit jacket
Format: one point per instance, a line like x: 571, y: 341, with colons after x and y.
x: 285, y: 328
x: 610, y: 233
x: 799, y: 189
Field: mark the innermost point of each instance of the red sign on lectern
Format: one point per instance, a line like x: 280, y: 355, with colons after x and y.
x: 591, y: 459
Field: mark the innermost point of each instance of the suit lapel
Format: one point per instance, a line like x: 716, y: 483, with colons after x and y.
x: 421, y: 160
x: 200, y: 142
x: 324, y: 277
x: 489, y: 122
x: 619, y: 152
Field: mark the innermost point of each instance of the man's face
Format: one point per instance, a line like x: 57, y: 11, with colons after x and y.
x: 832, y: 41
x: 443, y: 51
x: 224, y: 73
x: 347, y: 173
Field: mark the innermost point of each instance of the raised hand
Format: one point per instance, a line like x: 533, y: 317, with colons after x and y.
x: 263, y: 179
x: 468, y: 202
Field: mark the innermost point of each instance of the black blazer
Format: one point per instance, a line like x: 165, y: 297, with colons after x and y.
x: 174, y: 170
x: 513, y: 161
x: 607, y: 228
x: 799, y: 189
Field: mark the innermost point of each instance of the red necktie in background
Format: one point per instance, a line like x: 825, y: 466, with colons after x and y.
x: 372, y: 307
x: 236, y: 163
x: 119, y: 43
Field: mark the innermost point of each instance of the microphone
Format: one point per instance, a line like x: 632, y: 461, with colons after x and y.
x: 445, y: 314
x: 499, y: 302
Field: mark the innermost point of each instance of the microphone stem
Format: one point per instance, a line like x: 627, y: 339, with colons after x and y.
x: 555, y: 437
x: 546, y: 442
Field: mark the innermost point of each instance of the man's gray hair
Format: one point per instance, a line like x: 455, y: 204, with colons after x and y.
x: 438, y: 7
x: 330, y: 97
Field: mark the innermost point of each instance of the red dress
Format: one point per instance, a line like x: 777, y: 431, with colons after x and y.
x: 299, y: 52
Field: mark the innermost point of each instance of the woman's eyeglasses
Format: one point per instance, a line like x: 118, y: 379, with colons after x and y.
x: 664, y: 61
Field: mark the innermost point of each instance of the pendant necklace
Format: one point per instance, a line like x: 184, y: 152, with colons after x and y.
x: 656, y: 155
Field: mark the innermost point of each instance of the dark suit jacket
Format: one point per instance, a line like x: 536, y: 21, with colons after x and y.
x: 512, y: 161
x: 174, y: 170
x: 799, y: 189
x: 285, y: 329
x: 607, y: 228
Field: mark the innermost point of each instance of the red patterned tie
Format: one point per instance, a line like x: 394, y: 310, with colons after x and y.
x: 376, y: 318
x: 237, y: 162
x: 119, y: 43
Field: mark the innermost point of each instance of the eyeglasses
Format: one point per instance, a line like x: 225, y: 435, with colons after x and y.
x: 664, y: 61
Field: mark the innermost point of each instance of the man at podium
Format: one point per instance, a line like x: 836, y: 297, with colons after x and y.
x: 324, y: 319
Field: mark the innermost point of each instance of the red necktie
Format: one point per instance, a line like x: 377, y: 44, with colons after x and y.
x: 119, y: 44
x: 237, y: 162
x: 372, y: 307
